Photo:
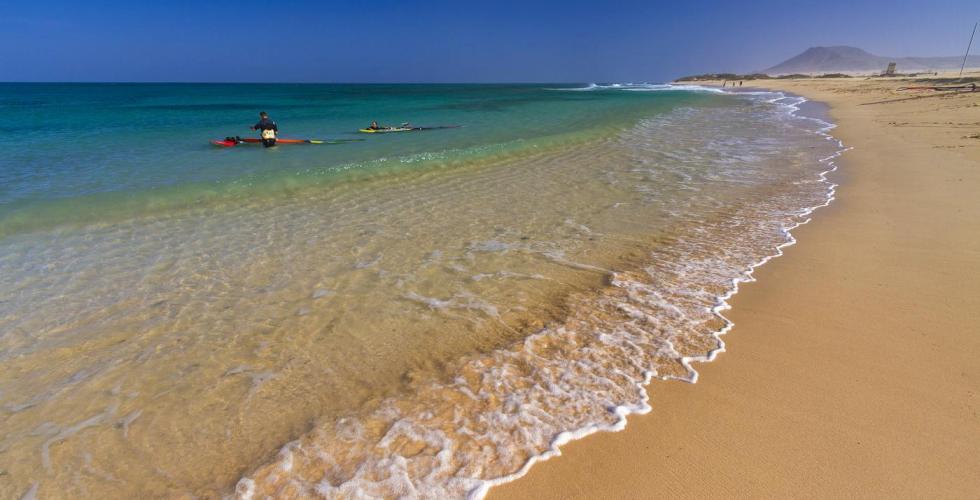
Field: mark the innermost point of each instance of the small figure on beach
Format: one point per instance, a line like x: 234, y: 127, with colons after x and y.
x: 739, y: 83
x: 267, y: 128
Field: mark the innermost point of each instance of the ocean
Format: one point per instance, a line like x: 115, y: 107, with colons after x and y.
x: 420, y: 314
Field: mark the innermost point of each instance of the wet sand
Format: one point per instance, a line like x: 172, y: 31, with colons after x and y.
x: 853, y: 368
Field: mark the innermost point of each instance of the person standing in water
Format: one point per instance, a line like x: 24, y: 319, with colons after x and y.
x: 268, y: 129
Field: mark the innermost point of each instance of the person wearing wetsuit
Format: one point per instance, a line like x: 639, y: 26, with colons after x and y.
x: 267, y: 128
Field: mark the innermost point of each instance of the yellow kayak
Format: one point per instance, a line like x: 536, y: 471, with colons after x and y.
x: 388, y: 129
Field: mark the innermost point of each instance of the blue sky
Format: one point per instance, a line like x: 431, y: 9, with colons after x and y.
x: 457, y: 41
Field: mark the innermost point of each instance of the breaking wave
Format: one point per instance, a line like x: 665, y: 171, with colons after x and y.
x: 642, y: 87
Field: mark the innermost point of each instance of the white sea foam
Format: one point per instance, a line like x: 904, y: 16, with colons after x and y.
x: 642, y: 87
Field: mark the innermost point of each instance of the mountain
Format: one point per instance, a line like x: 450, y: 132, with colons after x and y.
x: 847, y: 59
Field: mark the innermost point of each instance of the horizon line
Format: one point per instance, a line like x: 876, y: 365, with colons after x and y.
x: 130, y: 82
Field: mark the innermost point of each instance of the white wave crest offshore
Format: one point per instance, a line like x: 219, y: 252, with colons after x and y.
x: 642, y: 87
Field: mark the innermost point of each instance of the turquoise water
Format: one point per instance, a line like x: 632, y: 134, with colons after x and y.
x: 83, y: 152
x: 417, y: 315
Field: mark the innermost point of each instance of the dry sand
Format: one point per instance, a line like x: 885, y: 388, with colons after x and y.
x: 854, y: 366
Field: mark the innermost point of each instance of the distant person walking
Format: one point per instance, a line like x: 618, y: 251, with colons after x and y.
x: 268, y: 129
x: 739, y: 83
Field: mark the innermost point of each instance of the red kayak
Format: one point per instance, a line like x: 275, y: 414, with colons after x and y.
x: 228, y: 142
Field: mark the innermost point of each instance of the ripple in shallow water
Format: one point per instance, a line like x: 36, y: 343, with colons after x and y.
x: 387, y: 322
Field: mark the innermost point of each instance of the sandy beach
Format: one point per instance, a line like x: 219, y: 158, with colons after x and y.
x: 852, y: 368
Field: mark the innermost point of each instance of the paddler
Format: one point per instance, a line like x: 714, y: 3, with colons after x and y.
x: 267, y: 128
x: 375, y: 126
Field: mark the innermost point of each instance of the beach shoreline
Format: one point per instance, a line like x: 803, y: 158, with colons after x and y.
x: 537, y: 315
x: 822, y: 394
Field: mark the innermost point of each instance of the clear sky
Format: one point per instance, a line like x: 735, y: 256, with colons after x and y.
x: 452, y: 41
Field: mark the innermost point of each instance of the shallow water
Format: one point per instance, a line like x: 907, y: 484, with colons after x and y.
x: 417, y: 315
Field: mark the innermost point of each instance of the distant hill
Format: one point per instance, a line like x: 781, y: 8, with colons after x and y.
x: 849, y: 59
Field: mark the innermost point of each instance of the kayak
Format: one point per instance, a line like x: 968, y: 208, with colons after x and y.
x: 386, y: 130
x: 228, y: 142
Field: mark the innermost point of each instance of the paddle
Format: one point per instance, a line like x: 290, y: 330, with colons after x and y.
x: 439, y: 127
x: 404, y: 128
x: 332, y: 141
